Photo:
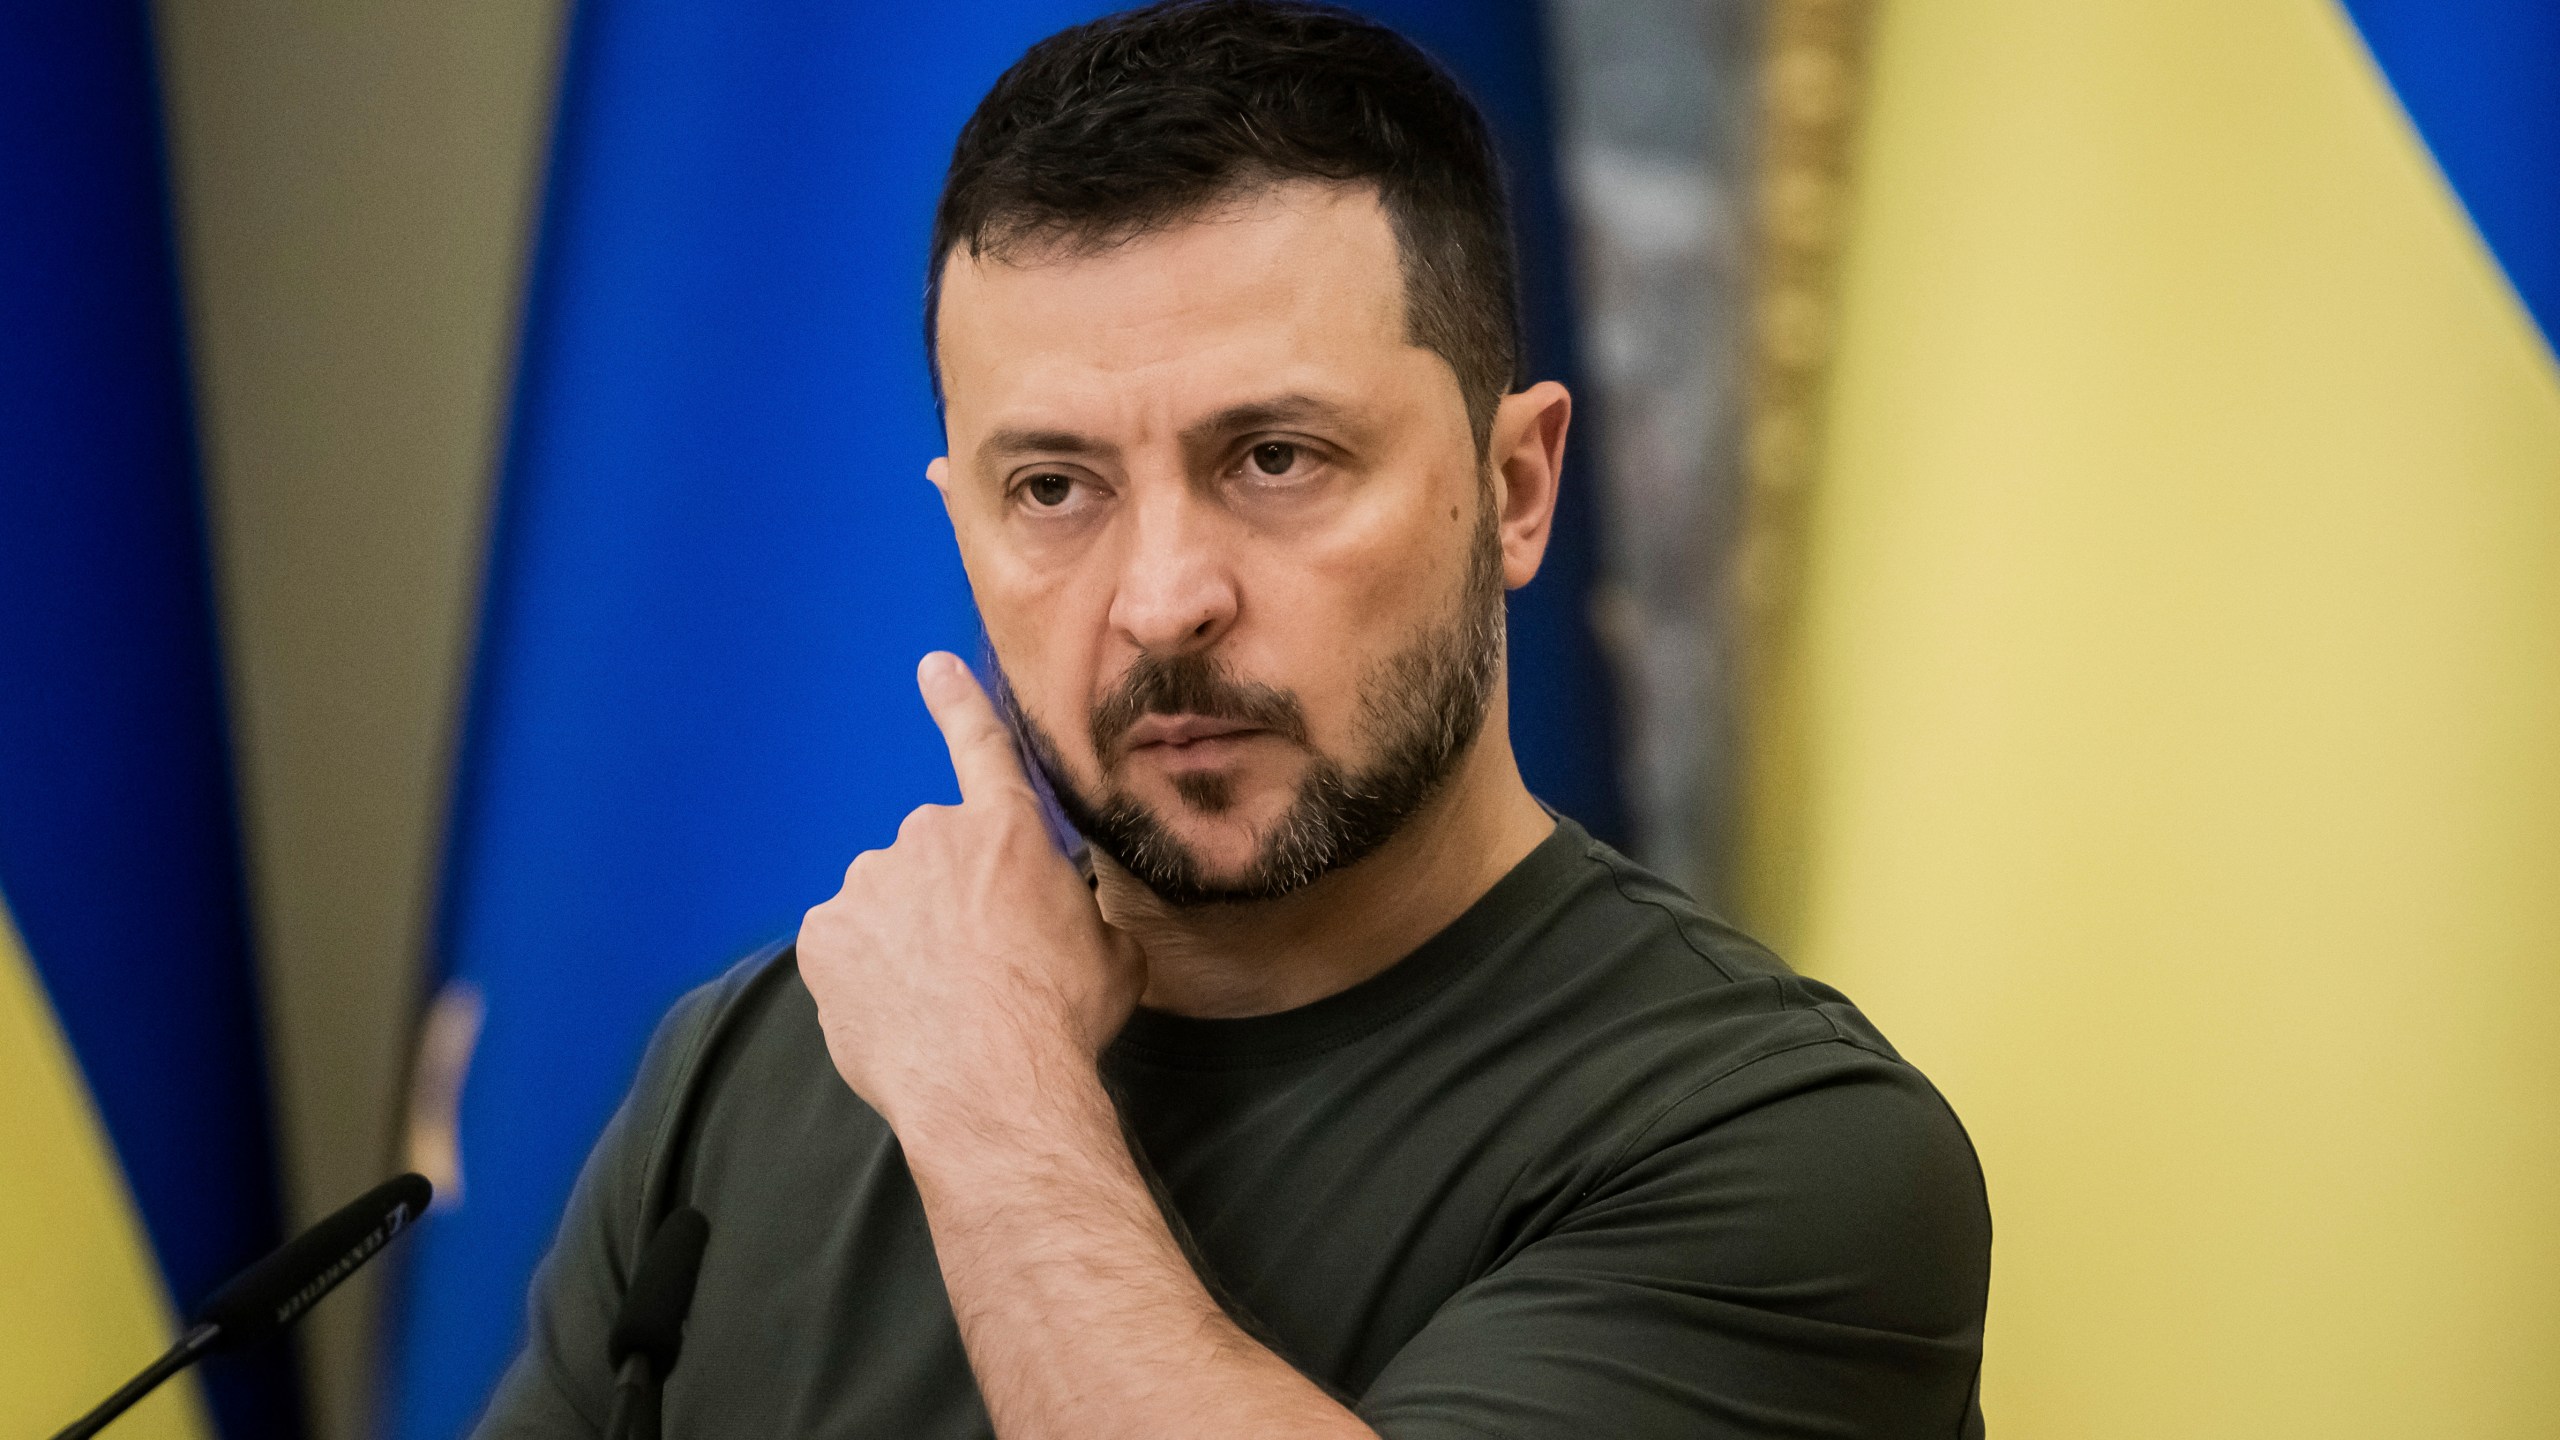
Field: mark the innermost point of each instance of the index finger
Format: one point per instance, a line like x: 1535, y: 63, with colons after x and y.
x: 982, y: 754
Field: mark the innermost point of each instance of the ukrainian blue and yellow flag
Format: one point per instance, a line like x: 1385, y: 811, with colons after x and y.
x: 2178, y: 675
x: 136, y: 1171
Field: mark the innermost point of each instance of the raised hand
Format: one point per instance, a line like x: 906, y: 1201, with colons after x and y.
x: 959, y: 967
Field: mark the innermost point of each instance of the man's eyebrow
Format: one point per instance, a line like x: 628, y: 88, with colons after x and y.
x: 1025, y: 440
x: 1262, y: 415
x: 1250, y: 415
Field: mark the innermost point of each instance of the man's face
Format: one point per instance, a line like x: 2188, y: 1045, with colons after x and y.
x: 1229, y: 534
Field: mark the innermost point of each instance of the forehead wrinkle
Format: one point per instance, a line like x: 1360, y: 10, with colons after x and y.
x: 1248, y: 266
x: 1145, y: 334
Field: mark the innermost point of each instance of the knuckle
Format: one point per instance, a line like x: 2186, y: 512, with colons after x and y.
x: 922, y: 820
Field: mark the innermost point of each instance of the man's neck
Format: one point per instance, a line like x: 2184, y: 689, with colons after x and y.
x: 1263, y: 957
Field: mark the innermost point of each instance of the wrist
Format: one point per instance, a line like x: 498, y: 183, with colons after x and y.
x: 1027, y: 1105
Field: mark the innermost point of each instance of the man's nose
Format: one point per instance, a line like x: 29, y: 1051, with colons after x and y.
x: 1177, y: 590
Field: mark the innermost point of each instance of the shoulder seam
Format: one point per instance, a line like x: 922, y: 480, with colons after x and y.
x: 1677, y: 928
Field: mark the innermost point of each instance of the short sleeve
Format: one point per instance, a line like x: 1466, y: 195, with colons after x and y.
x: 1800, y: 1249
x: 559, y: 1385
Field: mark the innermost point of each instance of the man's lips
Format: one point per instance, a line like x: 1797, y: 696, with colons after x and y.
x: 1177, y: 732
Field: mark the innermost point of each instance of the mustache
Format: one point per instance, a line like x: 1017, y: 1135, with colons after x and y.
x: 1192, y: 684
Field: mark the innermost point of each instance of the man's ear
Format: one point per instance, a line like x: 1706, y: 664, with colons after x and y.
x: 938, y: 470
x: 1527, y: 457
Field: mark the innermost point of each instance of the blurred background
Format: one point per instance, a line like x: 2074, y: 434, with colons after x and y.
x: 2063, y: 539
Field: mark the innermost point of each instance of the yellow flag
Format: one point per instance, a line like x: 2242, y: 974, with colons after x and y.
x: 2178, y: 769
x: 81, y: 1302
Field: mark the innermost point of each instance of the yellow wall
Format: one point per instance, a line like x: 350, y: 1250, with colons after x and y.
x: 81, y: 1306
x: 2180, y: 677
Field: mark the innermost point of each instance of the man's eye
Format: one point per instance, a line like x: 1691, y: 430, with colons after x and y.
x: 1049, y: 491
x: 1275, y: 457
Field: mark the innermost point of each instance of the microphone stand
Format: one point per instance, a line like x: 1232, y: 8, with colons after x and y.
x: 264, y: 1299
x: 190, y: 1347
x: 635, y: 1401
x: 648, y: 1334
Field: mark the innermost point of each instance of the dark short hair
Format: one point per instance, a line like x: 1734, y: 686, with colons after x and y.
x: 1123, y: 126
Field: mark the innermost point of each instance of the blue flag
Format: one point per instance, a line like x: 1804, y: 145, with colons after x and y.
x: 2480, y: 80
x: 716, y: 561
x: 118, y: 858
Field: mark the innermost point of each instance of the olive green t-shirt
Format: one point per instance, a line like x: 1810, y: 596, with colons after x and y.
x: 1587, y: 1163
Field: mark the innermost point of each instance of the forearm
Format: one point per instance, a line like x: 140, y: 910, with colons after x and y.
x: 1080, y: 1313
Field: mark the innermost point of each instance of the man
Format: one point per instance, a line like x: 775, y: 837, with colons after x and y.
x: 1352, y: 1092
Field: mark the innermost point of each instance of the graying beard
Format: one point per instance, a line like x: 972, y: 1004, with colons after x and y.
x: 1422, y: 712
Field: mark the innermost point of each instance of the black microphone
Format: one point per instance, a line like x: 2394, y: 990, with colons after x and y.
x: 648, y: 1334
x: 270, y: 1295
